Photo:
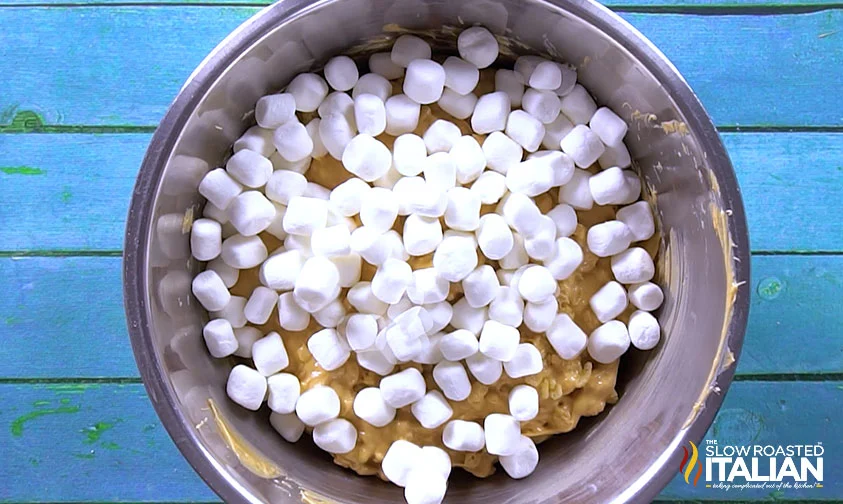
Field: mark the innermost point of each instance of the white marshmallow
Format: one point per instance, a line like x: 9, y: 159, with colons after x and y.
x: 546, y: 76
x: 633, y: 266
x: 260, y: 305
x: 565, y: 219
x: 219, y: 188
x: 318, y: 405
x: 381, y: 63
x: 464, y: 316
x: 328, y: 348
x: 503, y: 433
x: 288, y: 426
x: 284, y: 392
x: 478, y: 46
x: 608, y: 238
x: 608, y: 126
x: 633, y: 187
x: 341, y: 73
x: 317, y: 285
x: 284, y: 185
x: 561, y: 163
x: 336, y: 133
x: 293, y: 141
x: 374, y: 84
x: 210, y: 290
x: 540, y: 243
x: 646, y: 296
x: 431, y: 353
x: 406, y: 335
x: 578, y: 105
x: 376, y: 361
x: 499, y: 341
x: 410, y: 153
x: 608, y: 302
x: 280, y: 271
x: 338, y: 103
x: 269, y: 354
x: 538, y: 317
x: 537, y: 284
x: 366, y: 157
x: 219, y: 338
x: 507, y: 307
x: 300, y: 167
x: 644, y: 330
x: 543, y: 105
x: 405, y: 191
x: 485, y: 370
x: 463, y: 211
x: 639, y: 219
x: 347, y: 198
x: 361, y: 330
x: 527, y: 361
x: 516, y: 257
x: 424, y: 486
x: 523, y: 403
x: 577, y: 192
x: 531, y: 177
x: 458, y: 345
x: 243, y: 252
x: 569, y: 80
x: 246, y: 387
x: 523, y: 462
x: 615, y: 155
x: 427, y: 287
x: 460, y: 75
x: 468, y: 157
x: 525, y: 129
x: 452, y: 380
x: 246, y: 337
x: 249, y: 168
x: 314, y: 190
x: 370, y: 407
x: 369, y: 114
x: 494, y: 237
x: 408, y: 48
x: 480, y: 286
x: 305, y: 215
x: 391, y: 280
x: 421, y: 234
x: 403, y: 388
x: 490, y: 113
x: 363, y: 299
x: 460, y: 435
x: 555, y: 131
x: 379, y: 210
x: 233, y: 312
x: 457, y: 105
x: 250, y: 212
x: 276, y: 227
x: 440, y: 171
x: 213, y: 212
x: 401, y: 457
x: 432, y: 410
x: 440, y: 136
x: 440, y: 314
x: 436, y: 460
x: 509, y: 82
x: 331, y: 241
x: 520, y: 212
x: 583, y: 145
x: 309, y: 90
x: 424, y: 81
x: 608, y: 187
x: 331, y: 315
x: 608, y: 342
x: 455, y: 257
x: 490, y: 187
x: 525, y: 66
x: 402, y: 115
x: 256, y: 139
x: 335, y: 436
x: 290, y: 315
x: 501, y: 152
x: 205, y: 239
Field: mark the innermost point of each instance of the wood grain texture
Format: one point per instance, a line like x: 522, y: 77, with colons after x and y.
x: 123, y: 65
x: 789, y: 181
x: 103, y: 442
x: 66, y: 316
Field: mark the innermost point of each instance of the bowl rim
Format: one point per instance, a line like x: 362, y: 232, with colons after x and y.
x: 138, y: 224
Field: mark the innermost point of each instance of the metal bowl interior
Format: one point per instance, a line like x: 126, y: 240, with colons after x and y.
x: 667, y: 396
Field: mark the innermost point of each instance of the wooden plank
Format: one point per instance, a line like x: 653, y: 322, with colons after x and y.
x: 89, y: 440
x: 48, y: 309
x: 789, y: 182
x: 123, y: 65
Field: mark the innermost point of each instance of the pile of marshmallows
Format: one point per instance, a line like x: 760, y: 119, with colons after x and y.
x: 401, y: 315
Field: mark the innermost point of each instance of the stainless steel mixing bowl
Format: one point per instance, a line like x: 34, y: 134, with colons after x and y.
x: 667, y: 396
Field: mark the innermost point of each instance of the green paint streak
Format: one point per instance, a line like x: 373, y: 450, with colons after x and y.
x: 87, y: 456
x: 109, y: 445
x: 770, y: 288
x: 12, y: 320
x: 66, y: 195
x: 95, y: 432
x: 18, y: 423
x: 21, y: 170
x: 64, y: 400
x: 34, y: 461
x: 38, y: 404
x: 71, y: 388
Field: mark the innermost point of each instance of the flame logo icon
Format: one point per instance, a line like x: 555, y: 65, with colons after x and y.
x: 686, y: 470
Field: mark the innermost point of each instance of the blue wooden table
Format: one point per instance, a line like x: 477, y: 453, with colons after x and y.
x: 84, y: 82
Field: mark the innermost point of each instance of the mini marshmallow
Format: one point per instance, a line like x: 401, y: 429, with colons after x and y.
x: 538, y: 317
x: 537, y: 284
x: 243, y: 252
x: 499, y: 341
x: 347, y: 198
x: 583, y: 145
x: 460, y: 435
x: 300, y: 167
x: 409, y: 154
x: 288, y: 426
x: 314, y: 190
x: 564, y: 218
x: 246, y: 337
x: 460, y: 76
x: 250, y: 212
x: 480, y: 286
x: 527, y: 361
x: 633, y: 266
x: 381, y: 63
x: 452, y: 380
x: 219, y: 338
x: 507, y: 307
x: 430, y: 353
x: 455, y: 257
x: 608, y: 342
x: 370, y: 407
x: 555, y: 131
x: 331, y: 241
x: 457, y: 105
x: 458, y: 345
x: 403, y: 388
x: 363, y: 299
x: 485, y: 369
x: 608, y: 302
x: 463, y: 211
x: 509, y: 82
x: 219, y: 188
x: 494, y: 237
x: 608, y: 238
x: 379, y: 210
x: 405, y: 191
x: 369, y: 114
x: 338, y: 103
x: 280, y: 271
x: 373, y: 84
x: 276, y: 227
x: 424, y: 486
x: 341, y: 73
x: 490, y: 187
x: 249, y: 168
x: 336, y: 133
x: 213, y: 212
x: 440, y: 136
x: 569, y: 80
x: 246, y: 387
x: 523, y: 462
x: 432, y: 410
x: 644, y: 330
x: 490, y: 113
x: 608, y: 126
x: 205, y: 239
x: 531, y: 177
x: 269, y: 354
x: 525, y: 66
x: 478, y: 46
x: 361, y: 330
x: 615, y: 155
x: 646, y: 296
x: 608, y: 187
x: 633, y: 187
x: 233, y: 312
x: 546, y: 76
x: 376, y: 361
x: 421, y: 235
x: 402, y: 115
x: 427, y: 287
x: 525, y: 129
x: 293, y: 141
x: 407, y: 334
x: 290, y: 315
x: 297, y: 242
x: 331, y: 315
x: 284, y: 185
x: 210, y: 290
x: 408, y: 48
x: 523, y: 403
x: 328, y: 349
x: 305, y: 215
x: 578, y: 106
x: 256, y: 139
x: 399, y: 460
x: 502, y: 152
x: 424, y: 81
x: 440, y: 171
x: 503, y: 433
x: 284, y: 392
x: 540, y: 243
x: 639, y: 219
x: 561, y: 164
x: 464, y: 316
x: 335, y: 436
x: 520, y: 212
x: 391, y: 280
x: 543, y: 105
x: 260, y: 305
x: 577, y: 192
x: 366, y: 157
x: 318, y: 405
x: 516, y: 257
x: 468, y: 157
x: 317, y: 284
x: 309, y: 90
